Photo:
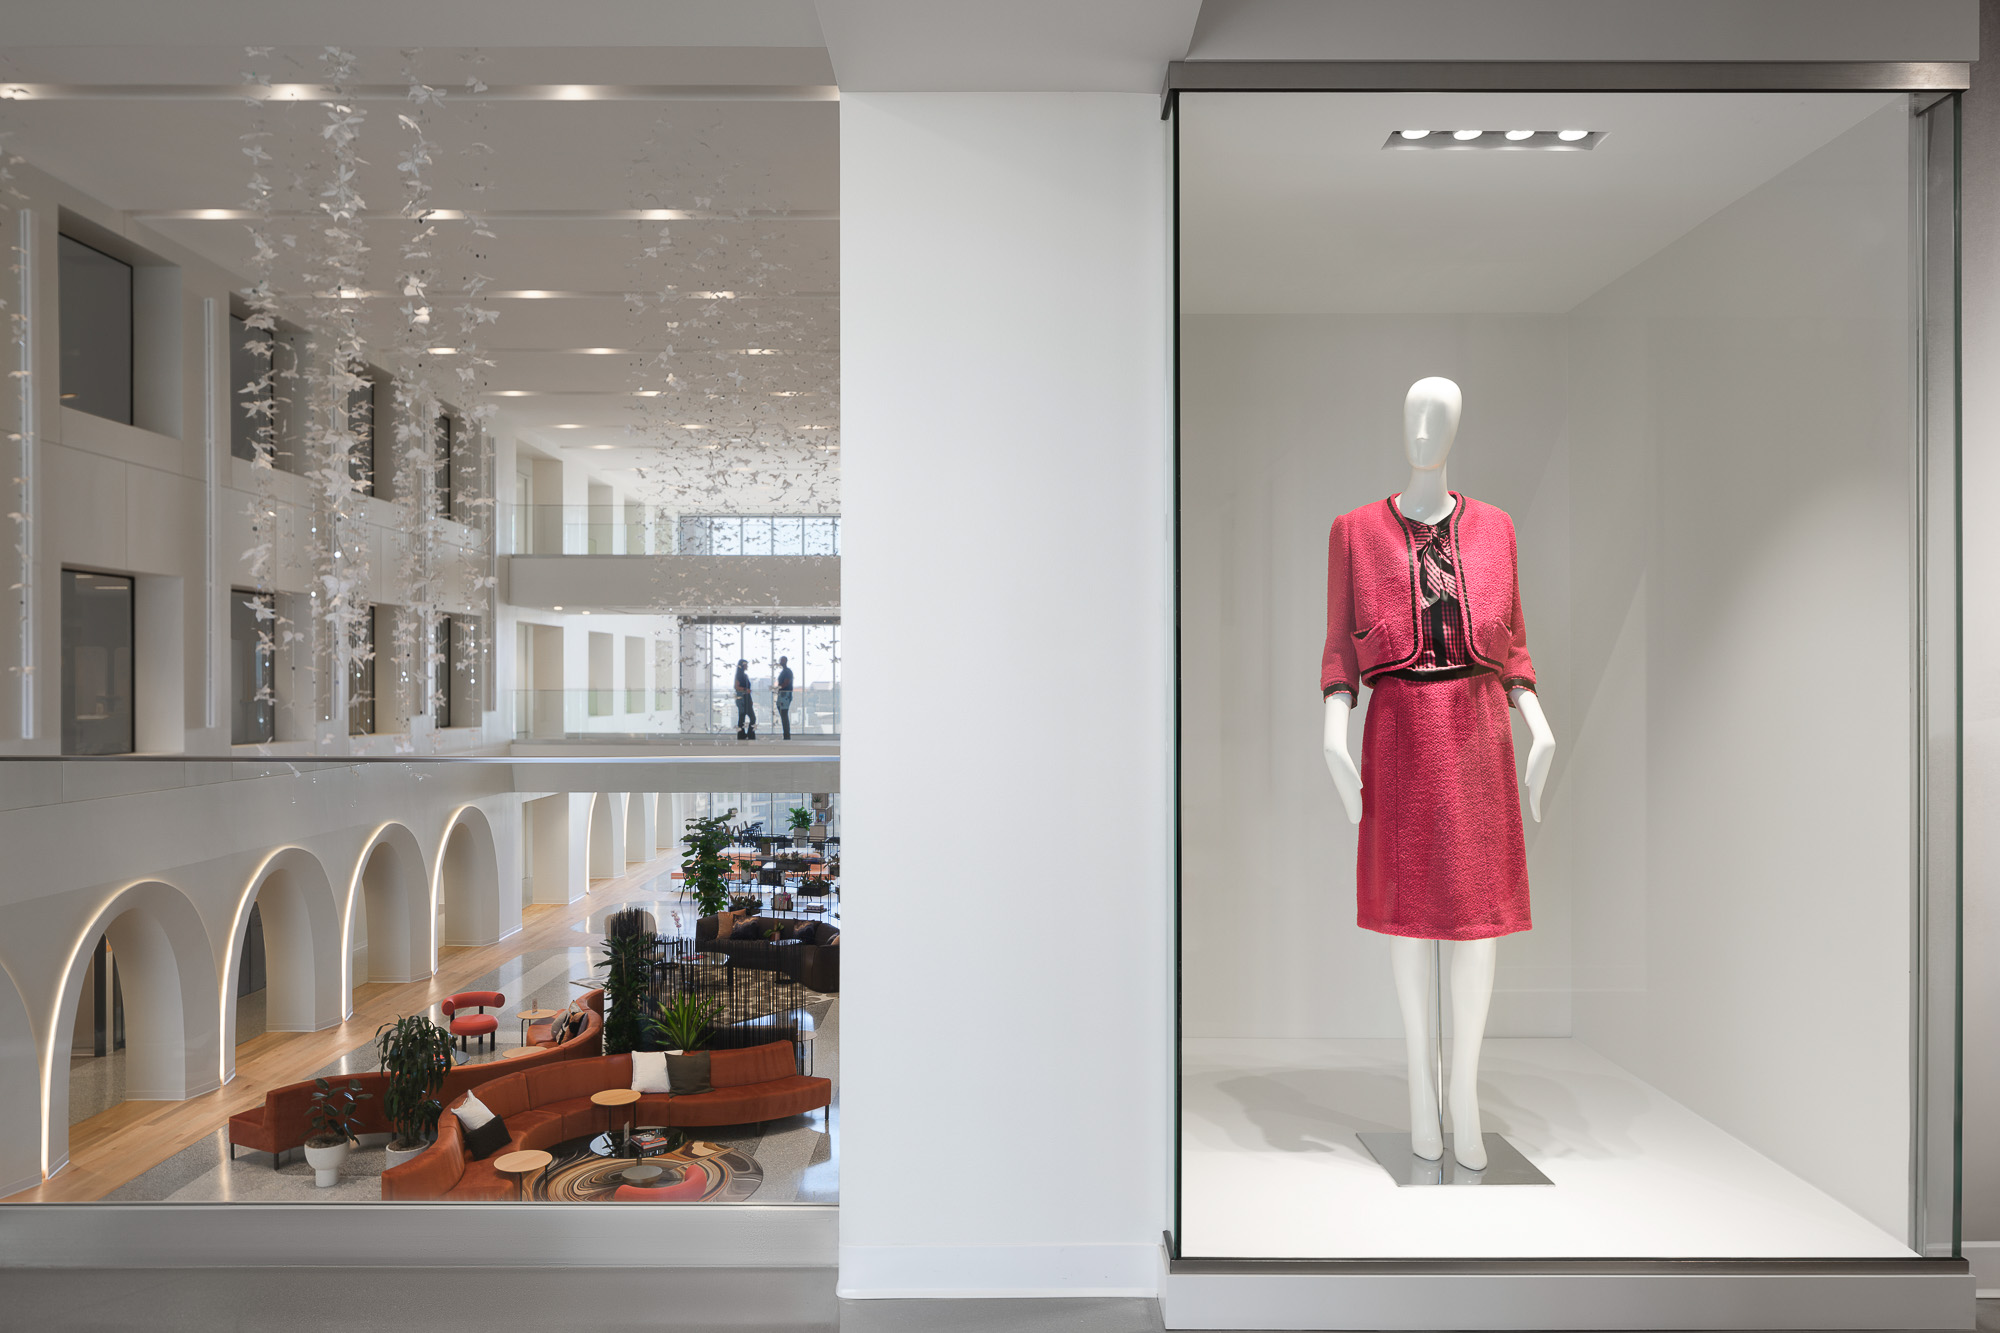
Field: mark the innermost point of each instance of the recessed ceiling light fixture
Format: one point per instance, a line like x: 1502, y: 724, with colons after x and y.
x: 604, y: 446
x: 1506, y: 141
x: 442, y: 351
x: 568, y: 425
x: 555, y: 608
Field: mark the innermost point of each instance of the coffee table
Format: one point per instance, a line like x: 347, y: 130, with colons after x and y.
x: 610, y: 1099
x: 519, y: 1164
x: 643, y: 1173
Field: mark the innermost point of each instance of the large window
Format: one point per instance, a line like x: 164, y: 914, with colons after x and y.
x: 444, y: 664
x: 96, y: 320
x: 442, y: 434
x: 361, y: 678
x: 250, y: 410
x: 252, y: 680
x: 97, y: 710
x: 758, y: 534
x: 361, y: 418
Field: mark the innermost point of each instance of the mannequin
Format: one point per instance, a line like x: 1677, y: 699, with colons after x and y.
x: 1430, y: 424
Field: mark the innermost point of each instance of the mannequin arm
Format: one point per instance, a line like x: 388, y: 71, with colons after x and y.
x: 1346, y: 777
x: 1542, y: 752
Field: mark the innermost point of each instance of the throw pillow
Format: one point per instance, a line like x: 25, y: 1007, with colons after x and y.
x: 649, y: 1072
x: 689, y: 1073
x: 753, y: 929
x: 834, y: 940
x: 576, y: 1022
x: 488, y: 1139
x: 805, y: 933
x: 472, y: 1113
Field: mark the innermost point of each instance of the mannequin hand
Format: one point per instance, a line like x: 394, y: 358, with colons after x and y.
x: 1541, y: 751
x: 1346, y: 777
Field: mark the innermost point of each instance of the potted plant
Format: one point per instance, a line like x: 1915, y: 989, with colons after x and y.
x: 334, y: 1117
x: 683, y: 1023
x: 627, y: 966
x: 705, y: 866
x: 416, y: 1055
x: 802, y: 819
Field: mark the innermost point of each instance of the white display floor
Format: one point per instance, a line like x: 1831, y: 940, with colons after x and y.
x: 1272, y: 1168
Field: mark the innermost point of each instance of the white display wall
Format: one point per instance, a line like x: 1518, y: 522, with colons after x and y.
x: 1706, y: 450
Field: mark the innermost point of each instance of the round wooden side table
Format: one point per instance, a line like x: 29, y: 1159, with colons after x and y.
x: 519, y: 1164
x: 528, y: 1016
x: 612, y: 1098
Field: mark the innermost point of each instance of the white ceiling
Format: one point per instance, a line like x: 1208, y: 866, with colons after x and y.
x: 688, y: 373
x: 1291, y: 205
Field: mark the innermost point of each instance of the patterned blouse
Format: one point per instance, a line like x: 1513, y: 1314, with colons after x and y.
x: 1443, y: 651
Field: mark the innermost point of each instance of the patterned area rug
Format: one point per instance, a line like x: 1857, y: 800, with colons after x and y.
x: 580, y: 1176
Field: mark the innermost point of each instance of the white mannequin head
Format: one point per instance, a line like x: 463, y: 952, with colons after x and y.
x: 1430, y: 422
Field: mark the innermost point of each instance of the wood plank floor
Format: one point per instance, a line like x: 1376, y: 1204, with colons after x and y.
x: 133, y: 1137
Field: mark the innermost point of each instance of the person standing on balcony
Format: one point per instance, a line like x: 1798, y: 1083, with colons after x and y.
x: 746, y: 709
x: 785, y: 696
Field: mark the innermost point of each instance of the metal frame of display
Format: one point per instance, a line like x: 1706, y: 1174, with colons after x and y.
x: 1936, y: 815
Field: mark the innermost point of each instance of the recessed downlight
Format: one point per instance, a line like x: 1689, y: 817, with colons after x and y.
x: 1415, y: 134
x: 567, y: 425
x: 1571, y: 136
x: 1518, y: 135
x: 1465, y: 136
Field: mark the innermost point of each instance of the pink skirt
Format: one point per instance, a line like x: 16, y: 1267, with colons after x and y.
x: 1441, y: 854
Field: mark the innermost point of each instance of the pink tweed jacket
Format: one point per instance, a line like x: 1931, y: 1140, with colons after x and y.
x: 1371, y: 594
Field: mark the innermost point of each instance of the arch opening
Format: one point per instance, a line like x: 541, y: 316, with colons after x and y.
x: 469, y: 881
x: 389, y: 928
x: 606, y: 836
x: 293, y: 982
x: 157, y: 960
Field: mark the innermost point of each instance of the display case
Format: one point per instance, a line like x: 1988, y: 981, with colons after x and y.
x: 1705, y: 344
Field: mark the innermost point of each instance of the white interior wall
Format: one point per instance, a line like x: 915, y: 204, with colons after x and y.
x: 1004, y: 329
x: 1740, y: 417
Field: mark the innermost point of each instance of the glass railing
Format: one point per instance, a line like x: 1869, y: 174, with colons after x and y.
x: 573, y: 714
x: 634, y: 530
x: 196, y: 922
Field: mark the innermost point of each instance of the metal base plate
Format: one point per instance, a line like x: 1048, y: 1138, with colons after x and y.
x: 1504, y: 1163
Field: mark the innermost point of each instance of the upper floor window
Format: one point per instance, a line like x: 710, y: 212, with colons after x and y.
x: 758, y: 534
x: 98, y: 716
x: 442, y: 434
x: 362, y: 415
x: 361, y: 677
x: 96, y: 330
x: 250, y: 409
x: 252, y: 679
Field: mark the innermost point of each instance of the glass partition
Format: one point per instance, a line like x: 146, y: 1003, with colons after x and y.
x: 1595, y: 453
x: 515, y: 932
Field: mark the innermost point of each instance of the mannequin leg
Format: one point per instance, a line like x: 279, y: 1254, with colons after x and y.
x: 1472, y: 964
x: 1411, y: 962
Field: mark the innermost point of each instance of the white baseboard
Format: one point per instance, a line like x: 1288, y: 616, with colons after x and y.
x: 1984, y: 1256
x: 889, y: 1272
x: 401, y: 1235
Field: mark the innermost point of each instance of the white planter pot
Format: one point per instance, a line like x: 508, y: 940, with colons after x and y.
x: 800, y: 839
x: 397, y: 1156
x: 325, y: 1163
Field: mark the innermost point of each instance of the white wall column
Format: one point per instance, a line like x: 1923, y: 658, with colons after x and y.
x: 1005, y: 485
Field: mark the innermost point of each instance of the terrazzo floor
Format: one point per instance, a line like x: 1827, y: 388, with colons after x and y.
x: 799, y: 1155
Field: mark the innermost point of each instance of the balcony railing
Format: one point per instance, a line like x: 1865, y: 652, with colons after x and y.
x: 616, y: 529
x: 560, y: 714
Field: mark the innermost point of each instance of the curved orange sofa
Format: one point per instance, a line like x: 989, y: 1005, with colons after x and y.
x: 284, y: 1121
x: 548, y: 1104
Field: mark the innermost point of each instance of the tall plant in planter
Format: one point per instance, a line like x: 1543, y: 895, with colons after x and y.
x: 416, y: 1055
x: 705, y: 866
x: 627, y: 964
